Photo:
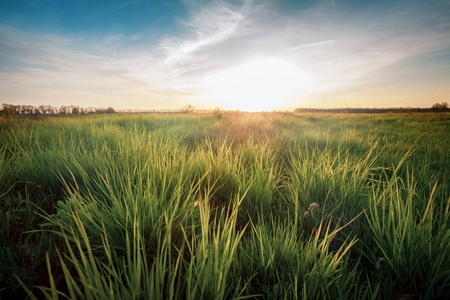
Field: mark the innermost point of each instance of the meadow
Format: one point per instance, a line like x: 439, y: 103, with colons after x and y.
x: 225, y: 206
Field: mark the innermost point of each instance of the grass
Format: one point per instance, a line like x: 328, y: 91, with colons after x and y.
x: 212, y: 206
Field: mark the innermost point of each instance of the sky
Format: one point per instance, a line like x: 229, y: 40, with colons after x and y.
x: 237, y: 54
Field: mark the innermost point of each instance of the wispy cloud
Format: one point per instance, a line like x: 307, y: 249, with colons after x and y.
x: 210, y: 25
x: 53, y: 69
x: 313, y: 45
x: 127, y: 3
x: 337, y: 48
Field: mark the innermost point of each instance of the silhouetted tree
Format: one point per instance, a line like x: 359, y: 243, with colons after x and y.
x: 75, y: 110
x: 41, y: 109
x: 110, y: 110
x: 9, y: 110
x: 443, y: 106
x: 188, y: 109
x: 30, y: 109
x: 63, y: 110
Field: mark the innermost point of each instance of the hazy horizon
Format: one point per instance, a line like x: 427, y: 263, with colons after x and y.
x: 248, y: 55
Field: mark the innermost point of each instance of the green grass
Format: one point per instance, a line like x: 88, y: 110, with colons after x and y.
x: 212, y: 206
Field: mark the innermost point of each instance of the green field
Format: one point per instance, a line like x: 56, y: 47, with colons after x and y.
x: 215, y: 206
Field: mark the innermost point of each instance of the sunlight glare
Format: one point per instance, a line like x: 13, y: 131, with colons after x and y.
x: 260, y: 85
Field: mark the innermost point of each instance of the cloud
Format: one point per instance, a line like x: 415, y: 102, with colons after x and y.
x: 52, y: 69
x: 126, y: 4
x: 210, y: 25
x: 338, y: 47
x: 313, y: 45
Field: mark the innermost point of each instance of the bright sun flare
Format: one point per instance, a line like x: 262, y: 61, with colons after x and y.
x: 259, y: 85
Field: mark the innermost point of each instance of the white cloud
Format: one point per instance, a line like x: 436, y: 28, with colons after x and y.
x: 337, y: 48
x: 210, y: 25
x: 313, y: 45
x: 76, y: 71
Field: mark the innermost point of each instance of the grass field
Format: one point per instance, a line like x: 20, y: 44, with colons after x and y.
x: 215, y: 206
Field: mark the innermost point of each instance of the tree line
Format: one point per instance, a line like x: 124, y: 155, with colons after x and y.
x: 12, y: 110
x: 438, y: 107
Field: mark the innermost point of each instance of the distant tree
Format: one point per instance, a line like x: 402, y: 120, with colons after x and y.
x: 110, y: 110
x: 54, y: 110
x: 41, y: 109
x: 9, y: 110
x: 63, y: 110
x: 47, y: 109
x: 188, y: 109
x: 28, y: 109
x: 443, y: 106
x: 21, y: 109
x: 75, y: 110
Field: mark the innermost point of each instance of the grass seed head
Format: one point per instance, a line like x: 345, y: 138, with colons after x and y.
x: 314, y: 206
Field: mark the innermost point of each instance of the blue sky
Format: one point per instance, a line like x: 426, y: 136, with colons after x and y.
x: 167, y: 54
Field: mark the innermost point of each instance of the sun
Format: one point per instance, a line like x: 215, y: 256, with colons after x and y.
x: 262, y: 84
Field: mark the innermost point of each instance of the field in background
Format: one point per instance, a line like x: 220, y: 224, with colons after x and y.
x: 215, y: 206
